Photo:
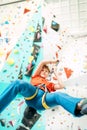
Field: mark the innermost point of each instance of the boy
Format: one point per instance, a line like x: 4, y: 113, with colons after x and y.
x: 39, y: 99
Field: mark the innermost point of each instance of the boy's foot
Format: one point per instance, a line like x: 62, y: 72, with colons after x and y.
x: 84, y: 107
x: 29, y: 112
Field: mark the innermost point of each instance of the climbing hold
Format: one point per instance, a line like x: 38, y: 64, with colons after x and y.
x: 1, y: 53
x: 55, y: 26
x: 4, y: 70
x: 0, y: 34
x: 68, y: 72
x: 6, y: 22
x: 31, y: 59
x: 10, y: 61
x: 45, y: 29
x: 11, y: 123
x: 31, y: 28
x: 16, y: 51
x: 17, y: 44
x: 26, y: 10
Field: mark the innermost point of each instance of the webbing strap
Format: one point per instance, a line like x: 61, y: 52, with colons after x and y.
x: 33, y: 96
x: 43, y: 99
x: 44, y: 103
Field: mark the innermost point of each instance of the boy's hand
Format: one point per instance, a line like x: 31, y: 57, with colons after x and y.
x: 55, y: 61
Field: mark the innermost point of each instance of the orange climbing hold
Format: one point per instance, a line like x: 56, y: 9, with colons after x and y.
x: 58, y: 47
x: 26, y: 10
x: 68, y: 72
x: 57, y: 55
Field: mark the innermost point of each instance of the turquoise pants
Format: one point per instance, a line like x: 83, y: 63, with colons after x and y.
x: 53, y: 99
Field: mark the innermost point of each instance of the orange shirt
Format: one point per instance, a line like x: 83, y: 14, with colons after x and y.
x: 37, y: 80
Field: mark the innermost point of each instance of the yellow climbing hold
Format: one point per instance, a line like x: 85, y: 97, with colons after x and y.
x: 1, y: 53
x: 16, y: 51
x: 31, y: 59
x: 85, y: 66
x: 39, y: 125
x: 32, y: 49
x: 10, y: 61
x: 31, y: 28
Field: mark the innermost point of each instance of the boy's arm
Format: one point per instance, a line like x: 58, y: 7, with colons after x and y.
x: 41, y: 64
x: 60, y: 84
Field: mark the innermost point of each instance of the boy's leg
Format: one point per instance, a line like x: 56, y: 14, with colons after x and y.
x: 67, y: 102
x: 30, y: 117
x: 18, y: 86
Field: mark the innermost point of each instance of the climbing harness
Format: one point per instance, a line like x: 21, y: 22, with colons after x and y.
x: 43, y: 97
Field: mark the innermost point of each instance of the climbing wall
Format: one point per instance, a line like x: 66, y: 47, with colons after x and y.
x: 72, y: 68
x: 18, y: 47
